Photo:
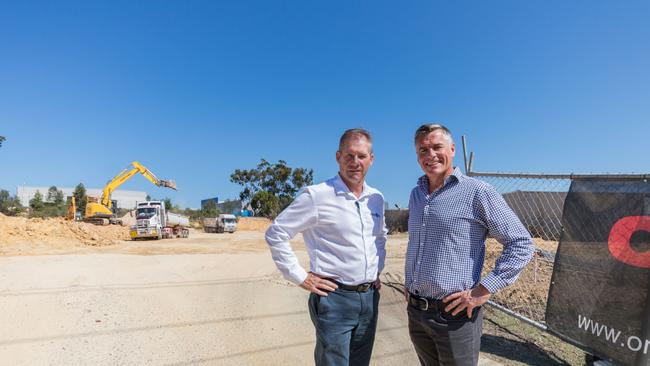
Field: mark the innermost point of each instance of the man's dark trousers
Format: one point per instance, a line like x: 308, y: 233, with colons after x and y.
x: 442, y: 339
x: 345, y: 323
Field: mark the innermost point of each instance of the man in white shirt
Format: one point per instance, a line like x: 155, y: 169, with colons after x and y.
x: 342, y: 222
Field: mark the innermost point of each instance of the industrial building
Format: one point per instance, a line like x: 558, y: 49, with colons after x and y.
x: 228, y: 206
x: 125, y: 199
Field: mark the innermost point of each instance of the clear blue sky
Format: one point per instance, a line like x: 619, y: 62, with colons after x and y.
x: 196, y: 89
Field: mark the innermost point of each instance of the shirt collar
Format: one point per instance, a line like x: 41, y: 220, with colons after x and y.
x: 456, y: 174
x: 342, y: 188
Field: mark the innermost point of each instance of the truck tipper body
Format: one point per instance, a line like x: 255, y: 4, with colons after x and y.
x: 220, y: 224
x: 152, y: 220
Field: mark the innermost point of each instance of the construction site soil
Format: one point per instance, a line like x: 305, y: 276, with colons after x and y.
x: 21, y: 237
x: 35, y: 236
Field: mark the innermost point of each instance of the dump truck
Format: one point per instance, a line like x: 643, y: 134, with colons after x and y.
x: 153, y: 221
x: 220, y: 224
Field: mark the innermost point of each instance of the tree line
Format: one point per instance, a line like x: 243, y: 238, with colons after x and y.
x: 52, y: 204
x: 270, y: 188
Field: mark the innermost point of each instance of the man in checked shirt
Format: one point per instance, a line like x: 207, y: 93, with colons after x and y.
x: 450, y: 216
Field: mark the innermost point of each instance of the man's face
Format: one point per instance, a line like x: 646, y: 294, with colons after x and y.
x: 355, y: 158
x: 435, y: 155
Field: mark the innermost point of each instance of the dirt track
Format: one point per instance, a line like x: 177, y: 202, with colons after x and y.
x: 224, y: 305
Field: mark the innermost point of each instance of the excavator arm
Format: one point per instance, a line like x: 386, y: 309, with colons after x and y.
x: 125, y: 175
x: 101, y: 212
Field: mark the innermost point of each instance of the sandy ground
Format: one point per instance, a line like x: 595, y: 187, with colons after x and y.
x: 212, y: 299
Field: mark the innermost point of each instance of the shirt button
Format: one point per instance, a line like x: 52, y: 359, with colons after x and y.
x: 423, y: 224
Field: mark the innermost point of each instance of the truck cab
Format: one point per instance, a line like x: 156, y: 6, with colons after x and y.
x: 152, y: 220
x: 229, y: 222
x: 149, y: 220
x: 220, y: 224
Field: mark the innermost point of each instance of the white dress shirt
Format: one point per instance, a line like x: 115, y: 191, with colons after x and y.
x: 345, y: 235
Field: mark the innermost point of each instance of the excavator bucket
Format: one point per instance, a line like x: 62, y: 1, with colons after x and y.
x: 168, y: 184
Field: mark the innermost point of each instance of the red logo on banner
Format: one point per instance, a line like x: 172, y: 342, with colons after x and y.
x: 619, y: 241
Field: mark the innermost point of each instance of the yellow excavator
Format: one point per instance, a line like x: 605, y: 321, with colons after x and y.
x: 102, y: 211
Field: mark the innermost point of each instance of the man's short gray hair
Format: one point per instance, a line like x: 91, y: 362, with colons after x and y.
x: 426, y: 129
x: 355, y: 132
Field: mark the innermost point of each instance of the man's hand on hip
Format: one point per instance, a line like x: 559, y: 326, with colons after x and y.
x: 468, y: 299
x: 317, y: 285
x: 377, y: 283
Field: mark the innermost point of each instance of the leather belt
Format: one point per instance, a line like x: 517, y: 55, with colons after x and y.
x: 364, y: 287
x: 423, y: 303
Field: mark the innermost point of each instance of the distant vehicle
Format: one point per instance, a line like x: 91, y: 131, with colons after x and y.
x: 220, y: 224
x: 152, y: 220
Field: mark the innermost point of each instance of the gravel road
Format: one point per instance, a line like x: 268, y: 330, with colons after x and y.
x: 231, y: 308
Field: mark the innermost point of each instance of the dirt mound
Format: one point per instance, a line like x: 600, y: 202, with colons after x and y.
x: 253, y: 223
x: 58, y: 232
x: 129, y: 218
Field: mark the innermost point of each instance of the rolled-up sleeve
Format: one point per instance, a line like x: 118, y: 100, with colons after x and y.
x: 297, y: 217
x: 504, y: 225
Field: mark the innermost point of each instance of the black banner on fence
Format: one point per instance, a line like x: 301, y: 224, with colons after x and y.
x: 599, y: 293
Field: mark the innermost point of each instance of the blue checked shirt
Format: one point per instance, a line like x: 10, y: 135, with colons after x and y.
x: 447, y: 231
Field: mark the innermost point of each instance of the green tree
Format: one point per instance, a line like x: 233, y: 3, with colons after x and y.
x: 55, y: 195
x: 4, y: 197
x: 2, y: 139
x: 266, y: 204
x: 168, y: 203
x: 210, y: 209
x: 80, y: 198
x: 37, y: 205
x: 277, y: 179
x: 9, y: 205
x: 54, y: 205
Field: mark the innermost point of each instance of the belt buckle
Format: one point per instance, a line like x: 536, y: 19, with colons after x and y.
x: 420, y: 300
x: 426, y: 304
x: 363, y: 288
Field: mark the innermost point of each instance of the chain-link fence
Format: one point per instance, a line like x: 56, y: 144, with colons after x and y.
x: 538, y: 201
